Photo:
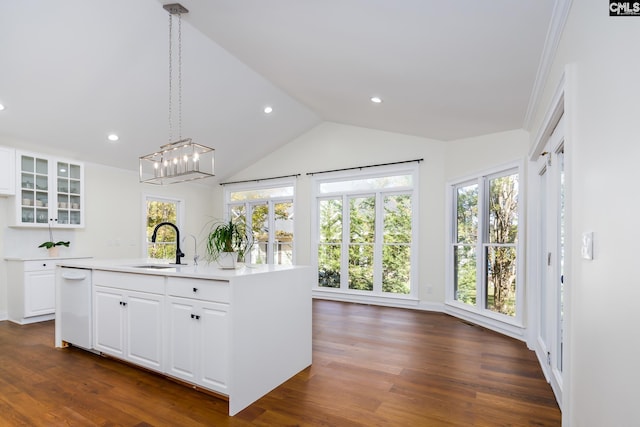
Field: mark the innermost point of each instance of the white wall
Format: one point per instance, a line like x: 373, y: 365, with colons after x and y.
x: 113, y: 217
x: 114, y: 212
x: 4, y: 203
x: 333, y: 146
x: 472, y: 155
x: 602, y: 108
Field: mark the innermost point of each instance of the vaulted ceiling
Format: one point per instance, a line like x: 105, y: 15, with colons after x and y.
x: 72, y: 71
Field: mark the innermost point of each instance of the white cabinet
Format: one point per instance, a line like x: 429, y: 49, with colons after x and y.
x: 31, y: 290
x: 49, y: 190
x: 128, y: 324
x: 198, y: 347
x: 198, y: 332
x: 7, y: 171
x: 109, y: 316
x: 236, y: 333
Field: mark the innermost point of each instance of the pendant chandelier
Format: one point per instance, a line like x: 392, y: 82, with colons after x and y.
x: 180, y: 160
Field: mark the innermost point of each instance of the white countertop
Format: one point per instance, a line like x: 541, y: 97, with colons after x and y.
x: 44, y: 258
x: 202, y: 271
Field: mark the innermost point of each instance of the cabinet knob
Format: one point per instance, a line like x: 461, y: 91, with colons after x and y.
x: 193, y: 316
x: 195, y: 289
x: 197, y: 317
x: 44, y: 265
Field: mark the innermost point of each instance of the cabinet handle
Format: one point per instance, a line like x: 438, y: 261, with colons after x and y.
x: 195, y: 289
x: 193, y: 316
x: 197, y: 317
x: 122, y: 303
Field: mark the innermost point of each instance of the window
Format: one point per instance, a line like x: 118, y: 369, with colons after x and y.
x: 365, y: 232
x: 159, y: 210
x: 268, y: 212
x: 485, y: 243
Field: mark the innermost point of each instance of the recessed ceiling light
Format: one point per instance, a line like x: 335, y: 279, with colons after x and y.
x: 376, y: 99
x: 113, y: 137
x: 268, y: 109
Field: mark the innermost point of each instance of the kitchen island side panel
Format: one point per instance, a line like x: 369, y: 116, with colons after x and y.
x: 270, y: 332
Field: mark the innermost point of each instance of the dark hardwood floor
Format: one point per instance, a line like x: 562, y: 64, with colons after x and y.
x: 372, y: 366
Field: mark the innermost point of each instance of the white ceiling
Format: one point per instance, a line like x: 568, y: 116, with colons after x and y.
x: 71, y: 71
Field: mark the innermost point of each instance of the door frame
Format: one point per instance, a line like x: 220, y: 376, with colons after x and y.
x: 560, y: 106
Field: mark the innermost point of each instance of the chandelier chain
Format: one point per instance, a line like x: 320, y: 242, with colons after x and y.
x: 170, y: 77
x: 179, y: 76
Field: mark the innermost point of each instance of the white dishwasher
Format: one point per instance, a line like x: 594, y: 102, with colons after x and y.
x: 74, y: 312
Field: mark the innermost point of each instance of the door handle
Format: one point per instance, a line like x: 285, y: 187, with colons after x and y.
x: 69, y: 276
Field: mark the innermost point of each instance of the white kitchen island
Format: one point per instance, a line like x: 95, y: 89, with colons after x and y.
x: 239, y: 333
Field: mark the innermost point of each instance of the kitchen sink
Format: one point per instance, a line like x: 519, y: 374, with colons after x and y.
x: 153, y: 266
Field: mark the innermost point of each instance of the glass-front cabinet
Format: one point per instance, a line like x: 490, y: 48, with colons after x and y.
x: 50, y: 190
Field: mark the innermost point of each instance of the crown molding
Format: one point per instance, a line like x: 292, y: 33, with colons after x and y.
x: 559, y: 18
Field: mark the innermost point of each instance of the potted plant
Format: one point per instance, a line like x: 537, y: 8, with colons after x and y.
x: 228, y: 242
x: 51, y: 246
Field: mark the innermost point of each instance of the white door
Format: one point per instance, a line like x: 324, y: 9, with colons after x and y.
x: 550, y: 336
x: 39, y: 293
x: 214, y: 346
x: 7, y: 171
x: 182, y: 327
x: 109, y: 318
x: 144, y: 330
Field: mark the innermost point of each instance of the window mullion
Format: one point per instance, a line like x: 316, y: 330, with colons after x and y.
x: 344, y: 254
x: 271, y: 232
x: 483, y: 226
x: 378, y: 243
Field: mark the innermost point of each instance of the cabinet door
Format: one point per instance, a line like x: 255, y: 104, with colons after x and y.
x: 7, y: 171
x: 49, y: 191
x: 39, y: 293
x: 108, y: 333
x: 181, y: 348
x: 143, y: 329
x: 33, y: 199
x: 69, y: 194
x: 214, y: 346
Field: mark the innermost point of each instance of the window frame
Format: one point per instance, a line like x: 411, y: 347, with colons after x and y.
x: 271, y: 202
x: 357, y: 174
x: 179, y: 217
x: 510, y: 325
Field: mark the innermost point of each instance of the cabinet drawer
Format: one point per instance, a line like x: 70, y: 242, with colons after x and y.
x: 206, y: 290
x: 39, y: 265
x: 130, y: 281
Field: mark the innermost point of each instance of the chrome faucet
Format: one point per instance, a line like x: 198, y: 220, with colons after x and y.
x: 196, y: 257
x: 179, y: 253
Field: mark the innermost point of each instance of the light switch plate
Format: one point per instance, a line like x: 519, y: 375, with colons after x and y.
x: 587, y: 245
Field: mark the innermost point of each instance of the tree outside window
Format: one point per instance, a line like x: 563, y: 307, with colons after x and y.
x: 396, y: 250
x: 365, y: 241
x: 466, y: 240
x: 158, y: 211
x: 500, y: 252
x: 270, y: 221
x: 330, y: 243
x: 495, y: 200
